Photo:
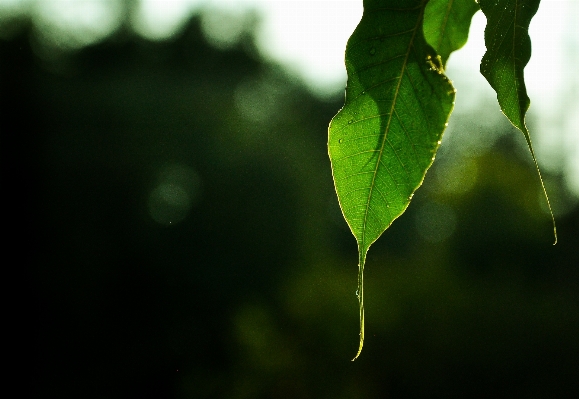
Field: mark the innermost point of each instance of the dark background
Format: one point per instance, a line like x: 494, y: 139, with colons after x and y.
x: 173, y: 206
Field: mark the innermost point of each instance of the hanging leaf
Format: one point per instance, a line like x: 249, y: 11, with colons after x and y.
x: 384, y: 139
x: 508, y: 52
x: 446, y: 24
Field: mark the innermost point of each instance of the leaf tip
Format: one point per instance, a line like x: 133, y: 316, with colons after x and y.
x: 360, y: 348
x: 361, y: 299
x: 362, y: 251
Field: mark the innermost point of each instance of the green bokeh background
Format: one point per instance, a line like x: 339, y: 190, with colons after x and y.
x: 175, y: 202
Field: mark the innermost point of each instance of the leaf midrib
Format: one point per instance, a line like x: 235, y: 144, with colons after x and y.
x: 387, y: 129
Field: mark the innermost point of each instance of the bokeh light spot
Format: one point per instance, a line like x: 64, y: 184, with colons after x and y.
x: 177, y: 190
x: 456, y: 176
x: 257, y: 100
x: 435, y: 222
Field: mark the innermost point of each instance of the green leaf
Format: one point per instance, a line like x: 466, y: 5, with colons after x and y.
x: 446, y: 24
x: 508, y: 52
x: 385, y: 137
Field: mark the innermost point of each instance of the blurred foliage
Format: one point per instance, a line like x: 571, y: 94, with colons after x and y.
x: 177, y: 209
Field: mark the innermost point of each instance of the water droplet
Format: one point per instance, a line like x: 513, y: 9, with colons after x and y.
x: 341, y: 141
x: 350, y: 121
x: 446, y: 124
x: 357, y: 292
x: 439, y: 142
x: 373, y: 51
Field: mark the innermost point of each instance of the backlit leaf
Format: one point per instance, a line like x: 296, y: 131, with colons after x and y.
x: 508, y: 52
x: 384, y: 139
